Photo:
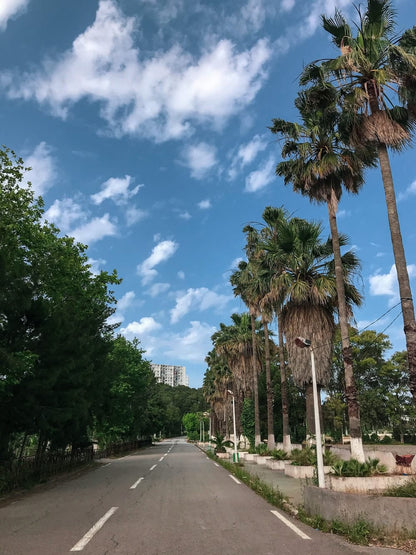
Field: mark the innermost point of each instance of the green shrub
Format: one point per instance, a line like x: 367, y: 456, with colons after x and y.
x: 279, y: 455
x: 354, y: 468
x: 262, y: 450
x: 303, y: 457
x: 221, y: 443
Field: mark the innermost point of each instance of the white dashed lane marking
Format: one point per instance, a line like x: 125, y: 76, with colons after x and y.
x: 134, y: 486
x: 291, y: 525
x: 92, y: 531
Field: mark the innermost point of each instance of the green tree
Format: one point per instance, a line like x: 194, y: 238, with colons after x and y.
x: 320, y: 164
x: 125, y: 413
x: 305, y: 287
x: 54, y: 314
x: 375, y: 72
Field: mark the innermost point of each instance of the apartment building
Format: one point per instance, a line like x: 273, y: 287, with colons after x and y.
x: 170, y: 374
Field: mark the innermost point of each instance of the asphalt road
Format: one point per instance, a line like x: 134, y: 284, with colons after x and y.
x: 167, y: 499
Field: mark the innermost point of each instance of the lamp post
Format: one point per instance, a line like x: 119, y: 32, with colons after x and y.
x: 302, y: 343
x: 234, y: 427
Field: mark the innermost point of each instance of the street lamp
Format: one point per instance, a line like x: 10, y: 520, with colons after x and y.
x: 234, y: 426
x: 302, y: 343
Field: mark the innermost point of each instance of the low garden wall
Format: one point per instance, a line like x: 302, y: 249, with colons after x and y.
x: 391, y: 514
x: 365, y: 484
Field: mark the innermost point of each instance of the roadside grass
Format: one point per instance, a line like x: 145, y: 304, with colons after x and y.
x: 406, y: 490
x: 274, y: 496
x: 360, y: 532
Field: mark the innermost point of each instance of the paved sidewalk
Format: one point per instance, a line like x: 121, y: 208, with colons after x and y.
x: 290, y: 487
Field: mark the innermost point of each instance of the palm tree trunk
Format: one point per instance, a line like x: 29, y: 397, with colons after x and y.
x: 357, y: 451
x: 269, y: 389
x: 257, y: 433
x: 287, y: 444
x: 401, y: 267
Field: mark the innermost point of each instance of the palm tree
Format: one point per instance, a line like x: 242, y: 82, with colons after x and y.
x: 251, y: 282
x: 241, y: 281
x: 374, y: 71
x: 234, y: 343
x: 217, y: 381
x: 305, y: 286
x: 320, y: 165
x: 273, y: 217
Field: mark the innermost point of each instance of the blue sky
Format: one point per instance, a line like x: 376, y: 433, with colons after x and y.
x: 145, y: 124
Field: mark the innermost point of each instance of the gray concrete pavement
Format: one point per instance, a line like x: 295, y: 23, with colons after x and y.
x: 168, y: 499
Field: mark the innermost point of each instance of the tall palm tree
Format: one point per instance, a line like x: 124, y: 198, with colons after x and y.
x: 375, y: 71
x: 234, y: 342
x: 251, y: 281
x: 241, y: 281
x: 273, y: 217
x: 217, y: 380
x: 319, y: 165
x: 305, y: 286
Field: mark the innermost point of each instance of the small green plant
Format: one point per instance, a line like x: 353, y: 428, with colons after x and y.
x: 262, y: 450
x: 406, y: 490
x: 221, y: 443
x: 279, y: 455
x: 357, y: 469
x: 329, y: 457
x: 303, y: 457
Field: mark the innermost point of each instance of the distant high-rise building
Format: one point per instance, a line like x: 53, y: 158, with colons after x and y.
x: 170, y: 374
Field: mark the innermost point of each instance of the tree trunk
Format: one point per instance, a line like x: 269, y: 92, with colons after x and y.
x: 287, y: 445
x: 357, y: 451
x: 401, y: 267
x: 269, y: 389
x: 257, y: 432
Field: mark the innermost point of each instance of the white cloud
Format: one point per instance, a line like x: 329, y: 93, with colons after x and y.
x: 126, y: 301
x: 161, y: 97
x: 387, y: 284
x: 160, y: 253
x: 65, y: 214
x: 410, y: 191
x: 343, y: 214
x: 185, y: 215
x: 117, y: 189
x: 94, y: 230
x: 199, y: 158
x: 197, y: 299
x: 9, y: 9
x: 260, y: 178
x: 134, y: 215
x: 181, y: 274
x: 43, y: 172
x: 191, y: 345
x: 205, y: 204
x: 144, y: 327
x: 95, y: 265
x: 246, y: 154
x: 249, y: 151
x: 158, y: 289
x: 73, y: 220
x: 235, y: 263
x: 122, y: 304
x: 287, y: 5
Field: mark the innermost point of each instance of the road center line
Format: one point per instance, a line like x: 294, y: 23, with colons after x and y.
x: 291, y: 526
x: 161, y: 458
x: 235, y: 479
x: 92, y: 531
x: 134, y: 486
x: 216, y: 464
x: 152, y: 468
